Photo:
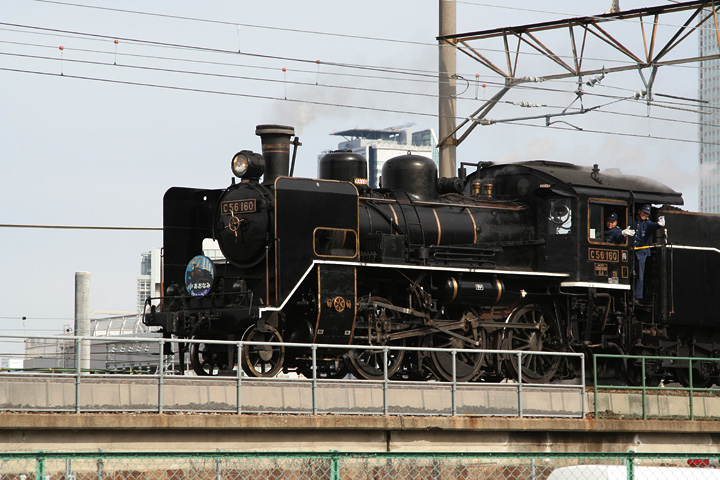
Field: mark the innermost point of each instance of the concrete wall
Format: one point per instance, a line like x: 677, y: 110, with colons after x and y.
x: 61, y: 432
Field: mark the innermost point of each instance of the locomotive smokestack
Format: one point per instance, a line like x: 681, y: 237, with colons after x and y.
x: 276, y: 150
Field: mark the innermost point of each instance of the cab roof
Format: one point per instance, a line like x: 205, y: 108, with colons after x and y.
x: 574, y: 180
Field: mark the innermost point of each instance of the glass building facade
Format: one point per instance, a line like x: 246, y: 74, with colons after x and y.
x: 709, y: 129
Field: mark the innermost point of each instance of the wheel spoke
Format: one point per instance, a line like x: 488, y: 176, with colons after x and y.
x: 467, y: 364
x: 263, y: 360
x: 535, y: 368
x: 208, y: 359
x: 369, y: 364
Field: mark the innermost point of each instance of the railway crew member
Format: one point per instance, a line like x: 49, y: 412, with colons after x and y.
x: 613, y: 234
x: 644, y: 229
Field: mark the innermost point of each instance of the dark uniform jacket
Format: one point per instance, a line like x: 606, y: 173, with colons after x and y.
x: 614, y: 235
x: 644, y: 230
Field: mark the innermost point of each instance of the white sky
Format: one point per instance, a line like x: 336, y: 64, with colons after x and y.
x: 95, y: 151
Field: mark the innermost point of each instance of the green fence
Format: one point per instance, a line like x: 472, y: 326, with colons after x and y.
x: 687, y: 394
x: 336, y: 465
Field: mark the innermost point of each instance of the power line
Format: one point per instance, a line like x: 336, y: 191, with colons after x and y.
x: 220, y: 50
x: 220, y: 75
x: 219, y: 92
x: 310, y: 102
x: 343, y: 65
x: 431, y: 78
x: 415, y: 73
x: 316, y: 84
x: 316, y: 32
x: 75, y: 227
x: 246, y: 25
x: 329, y: 86
x: 311, y: 84
x: 382, y: 69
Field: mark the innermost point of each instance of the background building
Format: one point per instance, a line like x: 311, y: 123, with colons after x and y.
x: 105, y: 355
x: 149, y: 282
x: 377, y: 146
x: 709, y: 134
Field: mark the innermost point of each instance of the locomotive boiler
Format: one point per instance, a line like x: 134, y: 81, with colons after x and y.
x: 507, y: 257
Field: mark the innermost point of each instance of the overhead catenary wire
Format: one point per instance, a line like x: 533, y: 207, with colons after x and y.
x: 327, y: 104
x: 383, y: 69
x: 331, y: 34
x: 215, y: 74
x: 261, y: 26
x: 76, y: 227
x: 397, y: 71
x: 336, y: 64
x: 199, y: 48
x: 545, y: 89
x: 246, y: 25
x: 342, y: 65
x: 669, y: 105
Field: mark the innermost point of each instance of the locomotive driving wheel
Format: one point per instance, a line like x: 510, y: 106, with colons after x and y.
x: 372, y: 326
x: 467, y: 364
x: 263, y: 360
x: 699, y: 380
x: 209, y: 359
x: 633, y: 368
x: 535, y: 330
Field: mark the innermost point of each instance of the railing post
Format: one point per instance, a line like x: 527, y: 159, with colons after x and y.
x: 335, y: 466
x: 630, y: 465
x: 690, y: 395
x: 583, y: 379
x: 100, y: 469
x: 314, y: 379
x: 385, y: 381
x: 218, y: 465
x: 520, y: 398
x: 239, y: 377
x: 532, y: 469
x: 453, y: 394
x: 40, y: 466
x: 69, y: 475
x: 78, y: 375
x: 161, y: 374
x: 595, y: 384
x: 644, y: 389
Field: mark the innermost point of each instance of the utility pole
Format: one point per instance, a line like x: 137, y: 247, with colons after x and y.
x: 447, y: 93
x: 82, y: 319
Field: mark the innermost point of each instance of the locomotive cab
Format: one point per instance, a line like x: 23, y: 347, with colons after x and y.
x: 571, y: 204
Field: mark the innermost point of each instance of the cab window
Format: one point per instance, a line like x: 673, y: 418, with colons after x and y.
x: 599, y: 215
x: 335, y: 242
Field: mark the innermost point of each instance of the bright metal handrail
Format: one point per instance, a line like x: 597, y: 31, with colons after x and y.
x: 161, y: 375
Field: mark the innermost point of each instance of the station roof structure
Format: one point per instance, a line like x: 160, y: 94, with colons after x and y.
x: 369, y: 133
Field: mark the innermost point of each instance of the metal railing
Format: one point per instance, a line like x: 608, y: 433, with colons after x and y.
x: 160, y: 389
x: 350, y: 466
x: 652, y: 397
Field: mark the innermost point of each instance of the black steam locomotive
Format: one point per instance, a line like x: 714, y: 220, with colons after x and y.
x: 507, y: 257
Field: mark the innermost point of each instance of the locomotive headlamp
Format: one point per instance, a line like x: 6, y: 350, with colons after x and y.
x: 248, y: 165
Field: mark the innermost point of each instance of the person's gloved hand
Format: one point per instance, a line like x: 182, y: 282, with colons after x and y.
x: 628, y: 232
x: 661, y: 221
